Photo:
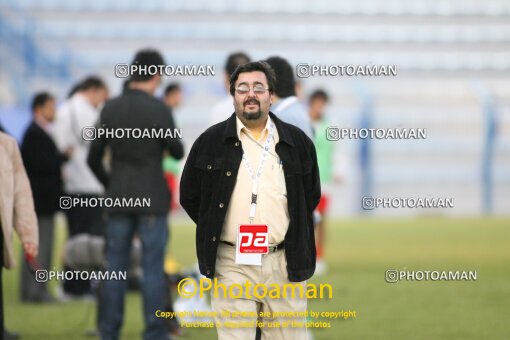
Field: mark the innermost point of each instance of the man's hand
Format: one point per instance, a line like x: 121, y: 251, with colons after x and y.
x: 31, y: 249
x: 68, y: 153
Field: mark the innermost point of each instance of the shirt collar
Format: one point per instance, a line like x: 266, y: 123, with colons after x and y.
x: 284, y: 136
x: 240, y: 126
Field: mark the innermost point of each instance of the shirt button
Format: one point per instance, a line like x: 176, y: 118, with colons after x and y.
x: 229, y: 173
x: 214, y: 238
x: 208, y: 272
x: 209, y: 167
x: 236, y: 144
x: 221, y: 205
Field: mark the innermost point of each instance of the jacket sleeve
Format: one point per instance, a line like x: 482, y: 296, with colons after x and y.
x: 25, y: 220
x: 173, y: 145
x: 33, y: 158
x: 95, y: 157
x: 191, y: 180
x: 316, y: 184
x: 62, y: 129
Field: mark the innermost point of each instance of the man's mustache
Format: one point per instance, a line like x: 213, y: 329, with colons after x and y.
x: 251, y: 100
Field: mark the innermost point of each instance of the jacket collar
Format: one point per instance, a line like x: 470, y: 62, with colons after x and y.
x: 284, y: 136
x: 130, y: 92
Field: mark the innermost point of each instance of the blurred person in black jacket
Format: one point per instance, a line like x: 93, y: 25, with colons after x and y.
x: 137, y: 173
x: 43, y: 164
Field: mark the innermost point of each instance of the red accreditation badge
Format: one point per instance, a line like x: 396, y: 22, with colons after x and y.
x: 253, y: 239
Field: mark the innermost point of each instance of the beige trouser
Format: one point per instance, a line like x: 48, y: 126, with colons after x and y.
x: 273, y: 271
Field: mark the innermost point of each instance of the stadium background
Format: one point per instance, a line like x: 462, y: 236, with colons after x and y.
x: 453, y: 79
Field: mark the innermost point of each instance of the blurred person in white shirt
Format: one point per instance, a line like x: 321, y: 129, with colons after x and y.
x: 79, y: 111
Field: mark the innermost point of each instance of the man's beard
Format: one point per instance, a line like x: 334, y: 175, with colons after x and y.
x: 252, y: 115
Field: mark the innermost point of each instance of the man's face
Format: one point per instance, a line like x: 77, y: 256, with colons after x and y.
x: 252, y: 106
x: 99, y: 96
x: 48, y: 110
x: 317, y: 106
x: 173, y: 99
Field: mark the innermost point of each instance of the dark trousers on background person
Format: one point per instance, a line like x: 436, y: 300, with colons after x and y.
x: 31, y: 290
x: 153, y: 232
x: 83, y: 220
x: 171, y: 323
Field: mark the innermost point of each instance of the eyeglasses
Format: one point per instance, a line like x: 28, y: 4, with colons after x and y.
x: 245, y: 89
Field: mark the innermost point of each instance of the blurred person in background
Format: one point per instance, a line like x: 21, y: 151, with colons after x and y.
x: 79, y: 111
x: 173, y: 99
x: 223, y: 109
x: 16, y: 213
x: 172, y: 96
x: 325, y: 155
x: 43, y: 162
x: 286, y: 105
x: 137, y: 173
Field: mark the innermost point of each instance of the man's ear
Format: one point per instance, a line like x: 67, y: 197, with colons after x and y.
x: 156, y: 81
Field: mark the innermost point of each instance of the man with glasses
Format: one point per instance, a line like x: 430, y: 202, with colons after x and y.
x: 253, y: 177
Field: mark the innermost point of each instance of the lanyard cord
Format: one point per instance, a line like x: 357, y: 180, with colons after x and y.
x: 255, y: 177
x: 262, y: 146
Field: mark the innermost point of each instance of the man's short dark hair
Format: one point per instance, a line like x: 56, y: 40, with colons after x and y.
x: 74, y: 89
x: 92, y: 82
x: 319, y: 94
x: 171, y: 88
x: 146, y: 58
x: 234, y: 60
x: 40, y: 99
x: 253, y: 66
x: 285, y: 82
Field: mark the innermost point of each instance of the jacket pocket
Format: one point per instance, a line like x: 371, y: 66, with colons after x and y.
x: 210, y: 169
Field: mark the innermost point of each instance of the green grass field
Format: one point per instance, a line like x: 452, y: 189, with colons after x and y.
x: 358, y: 254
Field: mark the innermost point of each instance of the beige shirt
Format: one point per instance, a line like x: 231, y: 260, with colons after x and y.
x: 272, y: 194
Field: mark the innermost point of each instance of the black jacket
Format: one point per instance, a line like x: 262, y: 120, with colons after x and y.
x: 43, y: 164
x: 136, y: 164
x: 205, y: 192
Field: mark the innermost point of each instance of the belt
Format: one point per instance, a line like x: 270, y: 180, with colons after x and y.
x: 272, y: 248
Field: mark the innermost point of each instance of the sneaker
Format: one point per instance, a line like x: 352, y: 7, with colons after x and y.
x: 321, y: 267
